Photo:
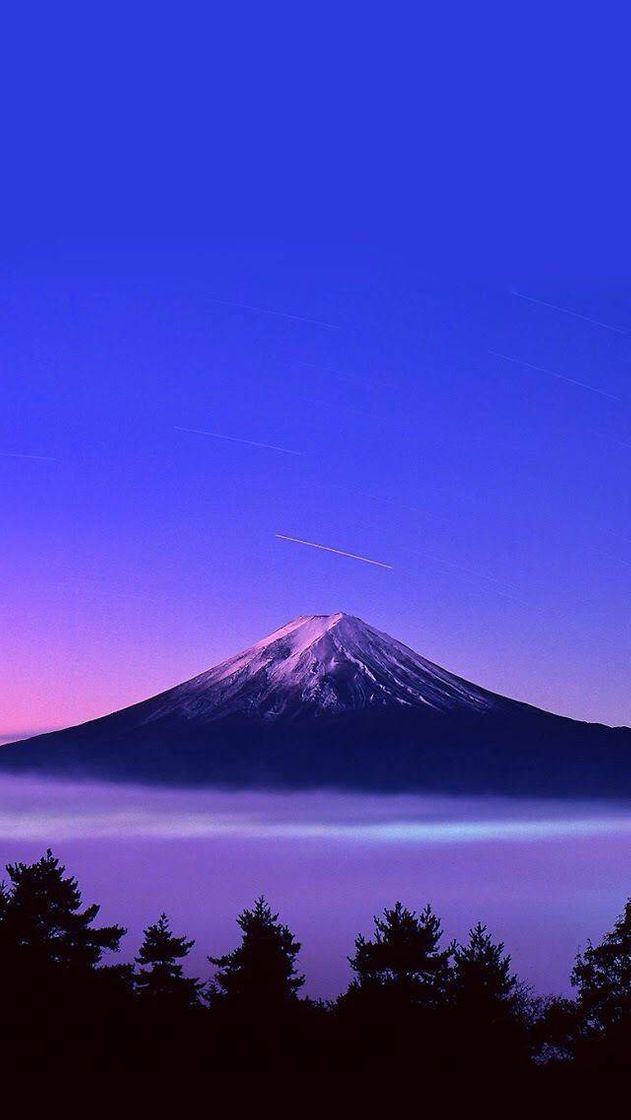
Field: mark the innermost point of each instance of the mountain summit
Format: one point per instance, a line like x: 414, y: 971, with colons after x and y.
x: 321, y: 664
x: 328, y: 700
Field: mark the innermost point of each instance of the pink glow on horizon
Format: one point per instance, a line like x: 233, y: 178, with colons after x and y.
x: 100, y: 674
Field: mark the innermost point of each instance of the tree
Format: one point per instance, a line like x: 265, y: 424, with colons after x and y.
x: 602, y: 975
x: 404, y: 956
x: 160, y: 976
x: 260, y: 974
x: 54, y: 991
x: 393, y: 1010
x: 489, y: 1004
x: 482, y: 979
x: 42, y: 924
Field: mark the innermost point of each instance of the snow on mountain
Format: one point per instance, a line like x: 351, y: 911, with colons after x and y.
x: 318, y: 664
x: 329, y: 702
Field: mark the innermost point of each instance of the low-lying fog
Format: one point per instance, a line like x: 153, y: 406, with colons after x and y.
x: 543, y: 875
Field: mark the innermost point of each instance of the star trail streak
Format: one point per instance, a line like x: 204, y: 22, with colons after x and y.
x: 337, y: 551
x: 237, y: 439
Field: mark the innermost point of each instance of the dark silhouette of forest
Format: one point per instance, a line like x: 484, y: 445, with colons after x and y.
x: 415, y: 1002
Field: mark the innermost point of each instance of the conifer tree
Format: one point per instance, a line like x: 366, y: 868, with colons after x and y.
x: 491, y: 1009
x: 42, y: 925
x: 53, y: 984
x: 482, y: 980
x: 404, y: 955
x: 260, y: 974
x: 160, y: 975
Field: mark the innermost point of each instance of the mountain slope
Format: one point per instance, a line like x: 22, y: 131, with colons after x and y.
x: 318, y: 665
x: 327, y: 700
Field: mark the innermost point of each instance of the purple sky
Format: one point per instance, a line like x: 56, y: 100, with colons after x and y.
x: 136, y: 554
x: 385, y: 258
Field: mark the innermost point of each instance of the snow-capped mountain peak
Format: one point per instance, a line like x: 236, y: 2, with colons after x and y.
x: 328, y: 701
x: 318, y: 665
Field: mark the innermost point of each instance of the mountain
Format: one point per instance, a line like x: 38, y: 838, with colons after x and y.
x: 317, y: 665
x: 328, y: 700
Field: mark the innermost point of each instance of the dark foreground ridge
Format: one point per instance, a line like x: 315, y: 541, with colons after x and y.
x: 328, y: 701
x: 414, y: 1003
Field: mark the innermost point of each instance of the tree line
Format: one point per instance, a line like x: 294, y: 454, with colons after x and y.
x: 414, y: 1001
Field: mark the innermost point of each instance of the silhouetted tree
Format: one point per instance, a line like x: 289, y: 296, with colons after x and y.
x: 254, y: 996
x: 54, y: 990
x: 394, y: 1008
x: 554, y: 1031
x: 261, y: 971
x: 489, y: 1004
x: 404, y: 956
x: 602, y: 975
x: 42, y: 923
x: 482, y: 979
x: 160, y: 975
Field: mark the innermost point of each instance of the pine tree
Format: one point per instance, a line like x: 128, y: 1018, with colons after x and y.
x: 393, y: 1010
x: 404, y: 956
x: 482, y: 979
x: 160, y: 976
x: 490, y: 1007
x: 54, y: 990
x: 42, y: 925
x: 260, y: 974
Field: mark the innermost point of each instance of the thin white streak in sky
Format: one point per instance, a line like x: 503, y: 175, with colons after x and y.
x: 500, y: 588
x: 619, y: 536
x: 552, y: 373
x: 24, y: 455
x: 497, y: 583
x: 268, y: 311
x: 616, y: 559
x: 236, y: 439
x: 337, y: 551
x: 325, y: 369
x: 568, y: 311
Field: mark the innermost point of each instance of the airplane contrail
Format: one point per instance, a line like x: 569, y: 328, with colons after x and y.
x: 236, y: 439
x: 568, y: 311
x: 24, y: 455
x: 553, y: 373
x: 268, y: 311
x: 337, y: 551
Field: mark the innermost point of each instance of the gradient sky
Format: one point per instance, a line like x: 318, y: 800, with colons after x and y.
x: 320, y: 238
